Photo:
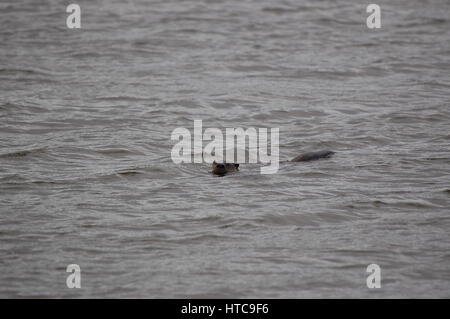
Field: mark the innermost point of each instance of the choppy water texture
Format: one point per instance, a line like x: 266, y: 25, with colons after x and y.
x: 86, y: 175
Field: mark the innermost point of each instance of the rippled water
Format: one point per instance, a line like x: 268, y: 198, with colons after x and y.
x: 86, y: 175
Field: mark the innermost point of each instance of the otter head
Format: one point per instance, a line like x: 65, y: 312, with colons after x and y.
x: 223, y: 168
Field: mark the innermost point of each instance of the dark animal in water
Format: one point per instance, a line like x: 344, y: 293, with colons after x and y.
x: 224, y: 168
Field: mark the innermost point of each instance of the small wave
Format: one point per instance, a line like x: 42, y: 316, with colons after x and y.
x: 404, y: 203
x: 23, y: 76
x: 129, y: 172
x: 14, y: 107
x: 123, y: 98
x: 19, y: 71
x: 306, y: 218
x: 23, y: 153
x: 118, y: 151
x: 193, y: 238
x: 421, y: 22
x: 444, y: 159
x: 13, y: 178
x: 284, y: 10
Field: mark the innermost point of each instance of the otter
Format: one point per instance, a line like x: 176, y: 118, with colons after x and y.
x: 224, y: 168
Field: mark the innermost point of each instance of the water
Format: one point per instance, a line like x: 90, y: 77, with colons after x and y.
x: 86, y: 175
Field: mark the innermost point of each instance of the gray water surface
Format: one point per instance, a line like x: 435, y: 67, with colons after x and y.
x: 86, y: 175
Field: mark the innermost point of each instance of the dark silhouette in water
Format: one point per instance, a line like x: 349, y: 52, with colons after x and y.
x: 311, y: 156
x: 224, y: 168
